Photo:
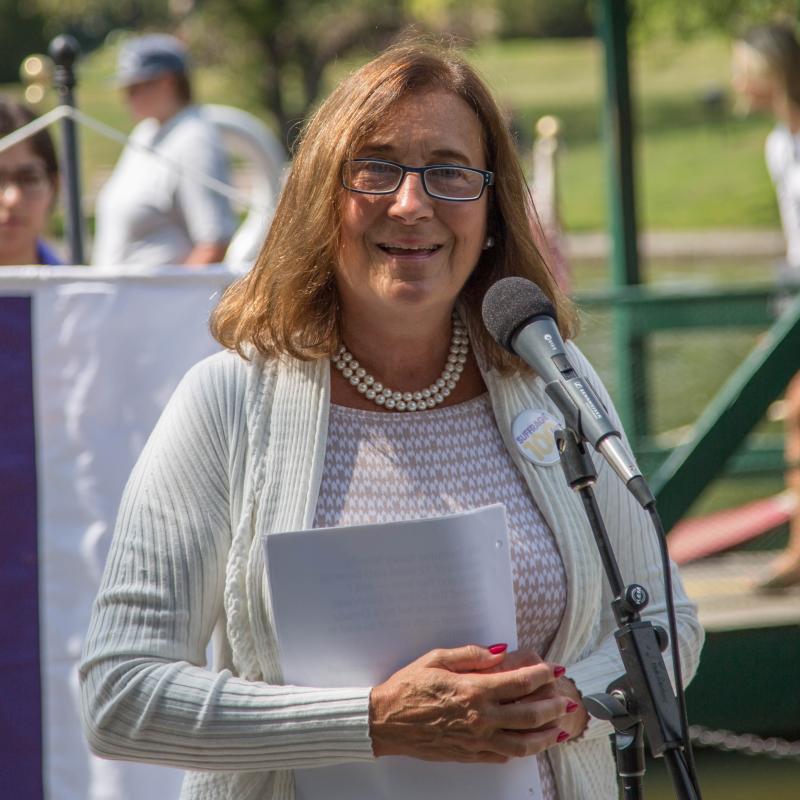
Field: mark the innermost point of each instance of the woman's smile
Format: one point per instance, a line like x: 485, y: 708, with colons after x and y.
x: 412, y: 252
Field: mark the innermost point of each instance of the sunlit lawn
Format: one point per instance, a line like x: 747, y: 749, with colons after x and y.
x: 724, y: 776
x: 699, y: 166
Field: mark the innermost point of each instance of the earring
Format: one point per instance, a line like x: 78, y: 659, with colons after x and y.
x: 488, y: 243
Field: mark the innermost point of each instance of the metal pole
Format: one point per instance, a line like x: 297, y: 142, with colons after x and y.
x: 64, y: 51
x: 631, y: 377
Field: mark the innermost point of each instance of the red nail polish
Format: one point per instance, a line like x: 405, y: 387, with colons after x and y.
x: 571, y: 706
x: 495, y: 649
x: 562, y: 737
x: 558, y: 671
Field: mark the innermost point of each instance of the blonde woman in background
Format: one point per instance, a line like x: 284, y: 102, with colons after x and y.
x: 766, y: 75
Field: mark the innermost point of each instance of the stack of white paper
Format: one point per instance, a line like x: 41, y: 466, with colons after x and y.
x: 354, y: 604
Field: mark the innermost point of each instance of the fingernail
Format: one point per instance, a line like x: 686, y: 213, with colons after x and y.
x: 558, y: 671
x: 571, y: 706
x: 562, y: 737
x: 498, y: 648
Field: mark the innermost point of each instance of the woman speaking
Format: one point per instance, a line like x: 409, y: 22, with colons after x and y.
x: 356, y: 359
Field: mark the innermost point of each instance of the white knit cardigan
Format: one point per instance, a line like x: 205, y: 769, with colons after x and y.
x: 239, y: 451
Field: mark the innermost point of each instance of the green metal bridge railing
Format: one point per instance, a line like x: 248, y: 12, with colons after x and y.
x: 729, y: 417
x: 719, y: 440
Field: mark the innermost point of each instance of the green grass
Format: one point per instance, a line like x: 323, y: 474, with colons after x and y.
x: 697, y: 168
x: 726, y: 776
x: 540, y: 73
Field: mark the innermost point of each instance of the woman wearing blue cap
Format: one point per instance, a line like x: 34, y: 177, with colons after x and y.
x: 152, y: 210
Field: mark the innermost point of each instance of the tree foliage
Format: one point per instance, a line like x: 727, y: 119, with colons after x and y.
x: 91, y: 20
x: 22, y: 33
x: 690, y: 17
x: 566, y: 18
x: 281, y: 48
x: 284, y: 46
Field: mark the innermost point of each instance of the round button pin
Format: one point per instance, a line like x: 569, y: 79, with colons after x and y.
x: 534, y: 433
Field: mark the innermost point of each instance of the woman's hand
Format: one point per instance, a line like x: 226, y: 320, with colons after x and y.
x: 575, y: 717
x: 461, y: 705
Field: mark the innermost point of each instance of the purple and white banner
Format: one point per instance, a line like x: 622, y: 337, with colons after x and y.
x: 88, y: 358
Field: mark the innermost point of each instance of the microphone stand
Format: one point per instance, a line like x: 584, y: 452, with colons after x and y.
x: 641, y: 701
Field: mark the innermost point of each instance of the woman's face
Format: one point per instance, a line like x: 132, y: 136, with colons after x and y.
x: 751, y: 80
x: 408, y: 250
x: 26, y: 197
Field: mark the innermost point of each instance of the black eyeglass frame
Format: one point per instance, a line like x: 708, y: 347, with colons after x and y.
x: 488, y: 178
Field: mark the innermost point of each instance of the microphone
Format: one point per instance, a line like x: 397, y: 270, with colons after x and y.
x: 521, y: 318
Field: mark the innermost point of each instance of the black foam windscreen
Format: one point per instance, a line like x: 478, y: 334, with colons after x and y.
x: 509, y: 304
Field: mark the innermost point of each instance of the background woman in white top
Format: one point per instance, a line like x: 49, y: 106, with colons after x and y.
x: 766, y: 73
x: 405, y: 202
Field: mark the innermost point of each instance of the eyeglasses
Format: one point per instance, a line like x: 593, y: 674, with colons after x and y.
x: 30, y: 180
x: 440, y: 181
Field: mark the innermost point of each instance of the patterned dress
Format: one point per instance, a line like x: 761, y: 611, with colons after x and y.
x: 381, y: 467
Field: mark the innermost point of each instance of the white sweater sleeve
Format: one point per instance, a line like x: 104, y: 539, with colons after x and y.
x: 146, y: 694
x: 635, y: 545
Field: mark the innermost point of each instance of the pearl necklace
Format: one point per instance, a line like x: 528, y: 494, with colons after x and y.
x: 435, y: 394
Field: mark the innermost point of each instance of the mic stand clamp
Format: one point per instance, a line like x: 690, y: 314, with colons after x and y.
x: 642, y: 700
x: 628, y: 739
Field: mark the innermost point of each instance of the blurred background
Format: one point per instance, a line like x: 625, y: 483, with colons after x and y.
x: 707, y: 218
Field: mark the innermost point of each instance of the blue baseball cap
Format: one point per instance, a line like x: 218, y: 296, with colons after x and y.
x: 146, y: 57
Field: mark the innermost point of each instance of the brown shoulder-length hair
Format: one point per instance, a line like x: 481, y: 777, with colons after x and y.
x: 288, y: 303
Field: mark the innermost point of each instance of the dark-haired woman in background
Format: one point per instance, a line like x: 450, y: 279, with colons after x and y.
x: 360, y: 386
x: 28, y: 190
